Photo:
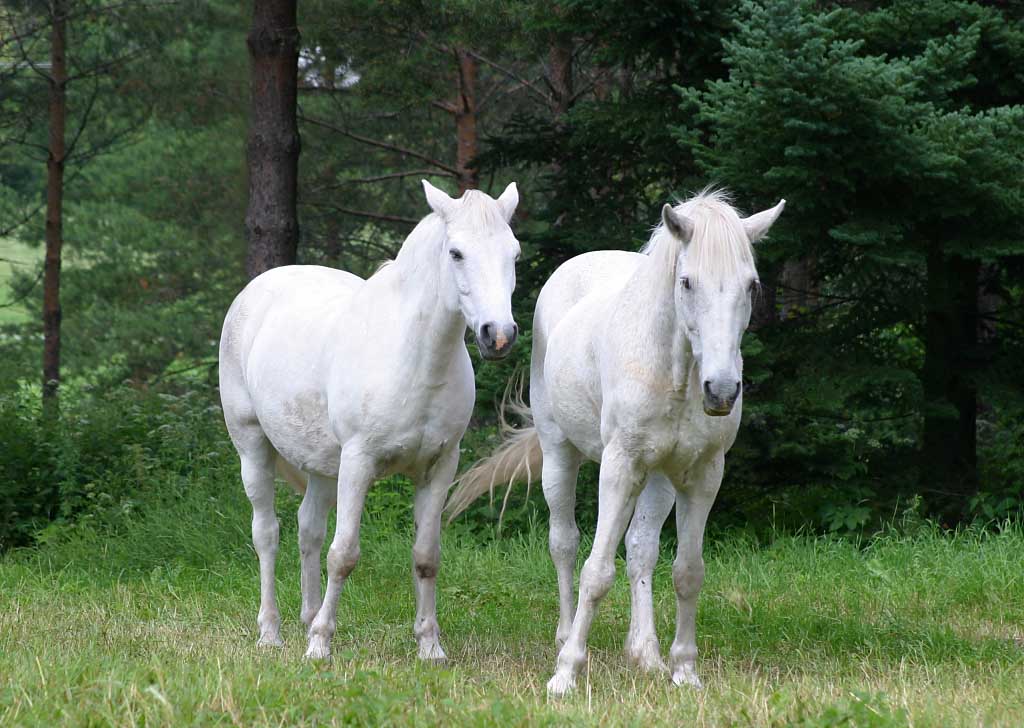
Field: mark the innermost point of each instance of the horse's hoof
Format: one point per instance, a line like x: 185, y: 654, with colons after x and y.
x: 270, y: 639
x: 560, y: 685
x: 432, y: 653
x: 646, y: 658
x: 319, y: 649
x: 687, y: 675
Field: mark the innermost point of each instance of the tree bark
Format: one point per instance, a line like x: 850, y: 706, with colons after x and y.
x: 800, y: 282
x: 949, y: 443
x: 54, y: 205
x: 465, y: 123
x: 271, y: 220
x: 560, y: 60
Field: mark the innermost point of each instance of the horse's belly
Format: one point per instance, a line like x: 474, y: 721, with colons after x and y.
x: 299, y: 428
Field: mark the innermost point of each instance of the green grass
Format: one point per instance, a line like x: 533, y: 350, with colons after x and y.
x: 154, y: 624
x: 14, y: 255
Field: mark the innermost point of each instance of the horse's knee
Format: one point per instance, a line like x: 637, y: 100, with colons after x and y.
x: 265, y: 532
x: 688, y: 575
x: 311, y: 538
x: 597, y: 578
x: 641, y: 553
x: 563, y: 541
x: 342, y: 560
x: 426, y: 561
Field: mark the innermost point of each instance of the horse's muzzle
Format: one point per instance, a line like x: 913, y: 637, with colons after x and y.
x: 717, y: 403
x: 495, y: 340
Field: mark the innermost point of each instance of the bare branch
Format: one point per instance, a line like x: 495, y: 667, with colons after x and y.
x: 26, y: 56
x: 83, y: 122
x: 28, y: 292
x: 106, y: 66
x: 5, y: 231
x: 379, y: 144
x: 514, y: 76
x: 383, y: 217
x: 445, y: 106
x: 380, y: 178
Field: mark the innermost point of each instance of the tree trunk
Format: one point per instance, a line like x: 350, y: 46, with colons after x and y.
x: 271, y: 221
x: 54, y: 207
x: 800, y: 285
x: 560, y: 60
x: 465, y: 123
x: 949, y: 446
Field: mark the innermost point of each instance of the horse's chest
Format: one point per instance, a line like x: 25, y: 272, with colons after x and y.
x: 671, y: 431
x: 692, y: 434
x: 405, y: 429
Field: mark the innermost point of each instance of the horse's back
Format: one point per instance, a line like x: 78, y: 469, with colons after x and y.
x: 275, y: 302
x: 600, y: 271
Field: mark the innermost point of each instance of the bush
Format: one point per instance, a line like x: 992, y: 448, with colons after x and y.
x: 106, y: 451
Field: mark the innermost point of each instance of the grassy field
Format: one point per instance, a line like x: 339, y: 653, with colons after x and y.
x: 154, y: 624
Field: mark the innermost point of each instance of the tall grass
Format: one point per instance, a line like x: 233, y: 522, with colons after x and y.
x: 150, y: 619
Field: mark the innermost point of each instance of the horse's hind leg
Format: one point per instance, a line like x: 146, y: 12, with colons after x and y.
x: 693, y: 504
x: 257, y: 456
x: 558, y: 478
x: 426, y: 552
x: 642, y: 539
x: 316, y: 503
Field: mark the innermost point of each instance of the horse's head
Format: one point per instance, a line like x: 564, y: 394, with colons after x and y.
x: 480, y: 255
x: 715, y: 279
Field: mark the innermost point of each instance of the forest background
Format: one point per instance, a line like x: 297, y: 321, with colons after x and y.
x: 882, y: 367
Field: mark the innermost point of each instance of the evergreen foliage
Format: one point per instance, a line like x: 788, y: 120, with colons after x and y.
x: 882, y: 369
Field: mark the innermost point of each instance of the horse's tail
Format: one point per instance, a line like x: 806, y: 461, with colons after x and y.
x: 290, y: 474
x: 518, y: 459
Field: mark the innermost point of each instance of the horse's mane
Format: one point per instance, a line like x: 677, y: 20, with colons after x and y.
x: 719, y: 247
x: 419, y: 253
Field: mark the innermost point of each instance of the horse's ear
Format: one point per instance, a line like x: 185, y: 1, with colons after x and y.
x: 679, y: 225
x: 758, y: 224
x: 439, y: 200
x: 508, y: 201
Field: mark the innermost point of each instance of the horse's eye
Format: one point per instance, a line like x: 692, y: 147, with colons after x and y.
x: 456, y: 254
x: 686, y: 282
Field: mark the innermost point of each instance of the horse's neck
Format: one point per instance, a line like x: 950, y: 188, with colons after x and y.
x: 649, y: 326
x: 429, y: 324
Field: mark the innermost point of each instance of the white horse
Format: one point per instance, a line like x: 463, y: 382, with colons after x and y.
x: 636, y: 365
x: 348, y: 380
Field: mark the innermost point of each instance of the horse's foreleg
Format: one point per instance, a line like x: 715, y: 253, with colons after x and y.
x: 426, y: 552
x: 693, y: 504
x: 620, y: 484
x: 642, y: 539
x: 355, y: 475
x: 320, y: 494
x: 558, y: 478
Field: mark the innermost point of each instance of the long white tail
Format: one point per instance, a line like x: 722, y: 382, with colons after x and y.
x: 518, y: 459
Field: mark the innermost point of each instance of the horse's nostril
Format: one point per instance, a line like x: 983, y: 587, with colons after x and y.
x: 737, y: 392
x: 707, y: 388
x: 487, y: 334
